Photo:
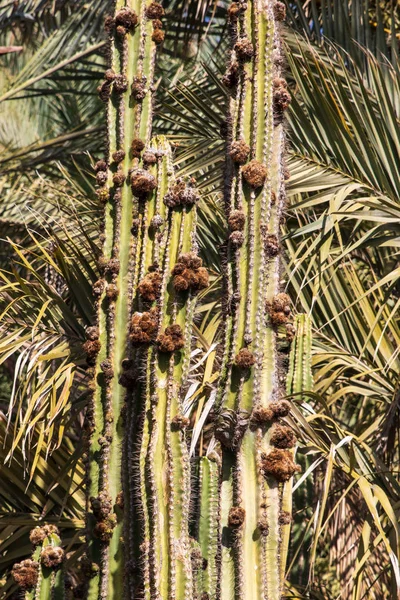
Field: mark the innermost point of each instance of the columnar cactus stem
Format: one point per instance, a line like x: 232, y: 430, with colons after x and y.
x: 299, y: 381
x: 134, y: 30
x: 256, y: 460
x: 161, y: 330
x: 208, y: 529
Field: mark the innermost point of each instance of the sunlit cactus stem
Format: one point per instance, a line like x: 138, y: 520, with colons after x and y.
x: 299, y: 382
x: 134, y: 30
x: 256, y: 444
x: 171, y: 275
x: 42, y: 576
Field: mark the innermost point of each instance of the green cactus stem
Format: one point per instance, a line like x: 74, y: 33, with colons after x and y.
x: 170, y: 275
x: 127, y: 90
x: 208, y: 561
x: 299, y: 381
x: 42, y: 576
x: 257, y: 314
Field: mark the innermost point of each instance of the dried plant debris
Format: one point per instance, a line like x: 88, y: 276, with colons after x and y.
x: 149, y: 288
x: 279, y: 464
x: 143, y: 328
x: 254, y: 173
x: 171, y: 340
x: 189, y: 274
x: 181, y: 194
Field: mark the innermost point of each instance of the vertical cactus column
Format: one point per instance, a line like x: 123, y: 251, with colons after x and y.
x: 256, y: 456
x: 299, y: 381
x: 134, y: 30
x: 170, y: 275
x: 42, y: 576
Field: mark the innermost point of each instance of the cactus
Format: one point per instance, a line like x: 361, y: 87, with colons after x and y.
x: 206, y: 557
x: 123, y: 180
x: 42, y: 576
x: 170, y: 275
x: 299, y: 381
x: 256, y: 457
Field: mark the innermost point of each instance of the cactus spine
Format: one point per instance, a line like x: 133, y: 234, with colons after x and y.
x: 256, y: 460
x: 42, y: 576
x: 127, y: 91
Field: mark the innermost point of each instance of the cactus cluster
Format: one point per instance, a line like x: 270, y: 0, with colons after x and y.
x: 152, y: 532
x: 42, y: 576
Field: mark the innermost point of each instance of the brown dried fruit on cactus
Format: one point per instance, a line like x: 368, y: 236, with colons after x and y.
x: 189, y: 274
x: 255, y: 173
x: 261, y: 415
x: 118, y: 156
x: 271, y: 245
x: 244, y: 358
x: 107, y: 368
x: 127, y: 18
x: 171, y: 340
x: 263, y: 527
x: 236, y: 239
x: 279, y: 464
x: 118, y: 178
x: 158, y: 36
x: 285, y: 517
x: 179, y: 422
x: 119, y: 500
x: 39, y: 534
x: 231, y: 77
x: 154, y: 11
x: 91, y: 348
x: 290, y: 332
x: 279, y: 309
x: 52, y: 556
x: 235, y: 9
x: 26, y: 573
x: 121, y: 31
x: 239, y: 151
x: 280, y: 409
x: 101, y: 165
x: 120, y: 84
x: 104, y: 91
x: 139, y: 89
x: 156, y: 222
x: 98, y: 287
x: 142, y: 182
x: 150, y: 286
x: 101, y: 177
x: 244, y: 49
x: 181, y: 193
x: 112, y: 291
x: 101, y: 506
x: 112, y: 266
x: 103, y: 194
x: 283, y: 437
x: 279, y: 11
x: 143, y: 328
x: 109, y: 23
x: 281, y: 98
x: 236, y: 516
x: 236, y: 220
x: 149, y: 158
x: 103, y: 530
x: 136, y: 147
